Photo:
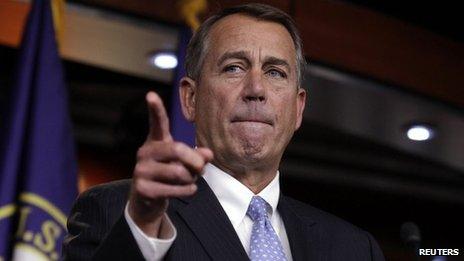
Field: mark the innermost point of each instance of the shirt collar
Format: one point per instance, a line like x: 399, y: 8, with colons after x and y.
x: 235, y: 197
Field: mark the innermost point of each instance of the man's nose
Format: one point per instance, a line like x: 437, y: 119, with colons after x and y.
x: 254, y: 89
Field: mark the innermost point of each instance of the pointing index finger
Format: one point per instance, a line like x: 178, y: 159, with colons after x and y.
x: 159, y: 121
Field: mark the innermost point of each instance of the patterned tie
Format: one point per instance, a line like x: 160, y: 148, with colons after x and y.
x: 264, y: 244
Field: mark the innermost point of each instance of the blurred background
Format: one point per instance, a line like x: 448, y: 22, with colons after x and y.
x: 382, y: 141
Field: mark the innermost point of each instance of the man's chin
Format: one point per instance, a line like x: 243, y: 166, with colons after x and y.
x: 253, y: 153
x: 250, y: 150
x: 242, y: 159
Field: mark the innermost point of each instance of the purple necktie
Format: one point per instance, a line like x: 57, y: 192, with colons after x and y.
x: 264, y: 244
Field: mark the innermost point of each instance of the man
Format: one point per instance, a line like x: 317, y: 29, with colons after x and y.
x: 221, y: 200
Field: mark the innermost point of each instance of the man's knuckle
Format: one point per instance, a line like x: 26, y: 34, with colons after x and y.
x: 141, y: 153
x: 180, y: 171
x: 173, y: 173
x: 201, y: 163
x: 139, y: 169
x: 139, y: 187
x: 178, y: 149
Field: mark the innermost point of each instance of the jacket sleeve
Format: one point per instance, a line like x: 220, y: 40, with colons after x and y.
x: 97, y: 229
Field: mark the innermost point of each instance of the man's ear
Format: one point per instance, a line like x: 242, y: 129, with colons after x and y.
x: 187, y: 95
x: 300, y: 105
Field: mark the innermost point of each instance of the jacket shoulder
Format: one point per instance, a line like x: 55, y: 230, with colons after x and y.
x: 342, y: 236
x: 93, y: 215
x: 331, y: 224
x: 113, y: 188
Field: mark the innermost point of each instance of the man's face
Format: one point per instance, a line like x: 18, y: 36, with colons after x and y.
x: 247, y: 104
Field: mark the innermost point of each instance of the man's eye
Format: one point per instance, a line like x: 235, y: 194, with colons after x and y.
x: 232, y: 69
x: 276, y: 74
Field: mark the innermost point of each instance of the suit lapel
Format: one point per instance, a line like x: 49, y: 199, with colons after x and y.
x: 210, y: 224
x: 302, y: 232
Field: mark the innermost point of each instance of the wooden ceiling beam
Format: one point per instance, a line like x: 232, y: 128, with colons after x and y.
x: 355, y: 39
x: 347, y: 36
x: 369, y: 43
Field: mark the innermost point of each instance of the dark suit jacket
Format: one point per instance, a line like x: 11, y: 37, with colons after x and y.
x: 98, y: 230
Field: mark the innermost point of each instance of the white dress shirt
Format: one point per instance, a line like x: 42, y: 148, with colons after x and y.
x: 234, y: 198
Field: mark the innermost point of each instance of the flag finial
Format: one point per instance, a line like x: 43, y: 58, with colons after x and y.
x: 190, y: 9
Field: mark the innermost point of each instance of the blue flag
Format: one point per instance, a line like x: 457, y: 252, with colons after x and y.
x: 38, y: 171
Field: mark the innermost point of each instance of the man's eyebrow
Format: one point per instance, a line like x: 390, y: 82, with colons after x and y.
x: 241, y: 55
x: 271, y: 60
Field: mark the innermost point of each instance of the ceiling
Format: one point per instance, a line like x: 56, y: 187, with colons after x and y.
x: 443, y: 17
x: 408, y: 45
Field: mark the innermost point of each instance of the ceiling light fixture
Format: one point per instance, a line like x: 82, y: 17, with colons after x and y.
x: 420, y: 132
x: 164, y: 60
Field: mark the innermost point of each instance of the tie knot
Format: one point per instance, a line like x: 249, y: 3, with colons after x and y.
x: 257, y: 209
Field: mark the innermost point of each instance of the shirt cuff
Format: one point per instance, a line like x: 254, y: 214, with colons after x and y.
x: 152, y: 248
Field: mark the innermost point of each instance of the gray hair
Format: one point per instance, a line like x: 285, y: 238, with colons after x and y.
x: 197, y: 47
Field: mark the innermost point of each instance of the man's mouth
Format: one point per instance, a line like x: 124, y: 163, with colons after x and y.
x: 252, y: 120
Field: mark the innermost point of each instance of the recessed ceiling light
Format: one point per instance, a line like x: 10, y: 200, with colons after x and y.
x: 420, y: 132
x: 164, y: 60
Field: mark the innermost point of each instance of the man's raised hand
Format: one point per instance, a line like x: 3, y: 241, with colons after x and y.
x: 164, y: 169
